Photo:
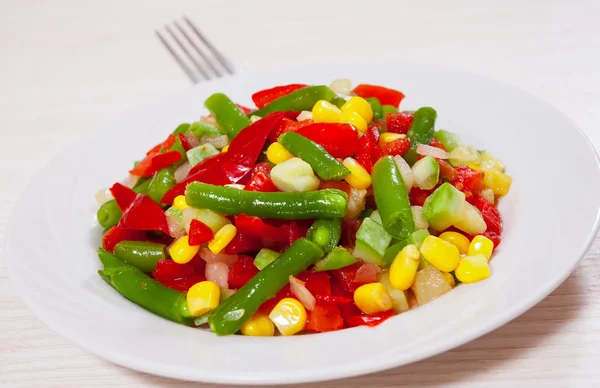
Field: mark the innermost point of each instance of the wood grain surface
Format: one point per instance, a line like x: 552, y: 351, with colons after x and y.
x: 67, y: 64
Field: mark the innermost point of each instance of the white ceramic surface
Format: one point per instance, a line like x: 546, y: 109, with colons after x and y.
x: 551, y: 216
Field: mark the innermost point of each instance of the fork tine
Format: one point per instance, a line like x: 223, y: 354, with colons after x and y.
x: 199, y: 51
x: 212, y: 48
x: 186, y: 51
x: 179, y: 61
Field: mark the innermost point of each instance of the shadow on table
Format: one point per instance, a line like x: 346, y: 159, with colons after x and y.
x: 470, y: 361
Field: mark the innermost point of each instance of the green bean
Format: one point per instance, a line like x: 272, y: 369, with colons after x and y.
x: 227, y: 114
x: 141, y: 254
x: 325, y: 233
x: 162, y: 181
x: 299, y: 100
x: 420, y: 132
x: 109, y: 214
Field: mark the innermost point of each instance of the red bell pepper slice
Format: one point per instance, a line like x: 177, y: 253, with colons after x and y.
x: 287, y: 125
x: 368, y: 149
x: 334, y: 299
x: 324, y: 317
x: 184, y: 142
x: 116, y: 234
x: 199, y: 233
x: 167, y: 270
x: 245, y: 110
x: 183, y: 285
x: 349, y: 229
x: 418, y: 196
x: 144, y: 214
x: 243, y: 243
x: 123, y: 195
x: 369, y: 320
x: 490, y: 214
x: 468, y: 180
x: 242, y: 271
x: 318, y: 283
x: 399, y: 122
x: 396, y: 147
x: 385, y: 96
x: 264, y: 97
x: 165, y: 145
x: 495, y: 237
x: 437, y: 144
x: 339, y: 139
x: 256, y: 227
x: 154, y: 162
x: 261, y: 182
x: 347, y: 275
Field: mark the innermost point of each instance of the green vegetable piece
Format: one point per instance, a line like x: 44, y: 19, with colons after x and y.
x: 417, y: 237
x: 448, y: 139
x: 141, y: 254
x: 338, y: 101
x: 141, y: 187
x: 177, y: 146
x: 181, y: 128
x: 375, y: 216
x: 376, y: 108
x: 200, y: 129
x: 371, y: 242
x: 265, y: 257
x: 339, y: 257
x: 328, y: 203
x: 144, y: 291
x: 227, y: 114
x: 229, y: 317
x: 444, y: 207
x: 162, y: 181
x: 391, y: 198
x: 420, y: 132
x: 298, y: 100
x: 198, y: 154
x: 426, y: 172
x: 325, y: 233
x: 174, y: 211
x: 385, y: 109
x: 391, y: 253
x: 324, y: 165
x: 109, y: 214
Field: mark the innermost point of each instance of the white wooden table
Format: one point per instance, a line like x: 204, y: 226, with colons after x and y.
x: 66, y: 64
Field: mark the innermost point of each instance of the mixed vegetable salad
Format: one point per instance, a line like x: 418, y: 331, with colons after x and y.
x: 323, y: 208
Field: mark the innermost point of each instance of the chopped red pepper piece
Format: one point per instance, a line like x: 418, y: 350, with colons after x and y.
x: 167, y: 270
x: 245, y: 110
x: 324, y: 317
x: 185, y: 142
x: 399, y: 122
x: 369, y: 320
x: 144, y: 214
x: 437, y: 144
x: 368, y: 149
x: 165, y: 145
x: 254, y: 226
x: 332, y: 299
x: 199, y: 233
x: 385, y: 96
x: 123, y: 195
x: 490, y: 214
x: 243, y: 243
x: 242, y: 271
x: 349, y: 229
x: 116, y: 234
x: 495, y: 237
x: 347, y: 275
x: 264, y: 97
x: 287, y: 125
x: 468, y: 180
x: 261, y: 179
x: 339, y: 185
x: 447, y: 172
x: 154, y: 162
x: 339, y: 139
x: 396, y: 147
x: 318, y: 283
x: 183, y: 285
x: 418, y: 196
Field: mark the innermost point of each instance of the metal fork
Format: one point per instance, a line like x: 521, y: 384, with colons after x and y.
x: 208, y: 65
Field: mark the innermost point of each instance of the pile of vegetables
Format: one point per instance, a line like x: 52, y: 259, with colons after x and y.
x: 325, y: 207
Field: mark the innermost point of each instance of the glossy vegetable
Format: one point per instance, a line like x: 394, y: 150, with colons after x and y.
x: 421, y: 131
x: 141, y: 254
x: 227, y: 114
x: 297, y: 101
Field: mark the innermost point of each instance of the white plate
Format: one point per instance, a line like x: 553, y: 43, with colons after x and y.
x: 551, y: 216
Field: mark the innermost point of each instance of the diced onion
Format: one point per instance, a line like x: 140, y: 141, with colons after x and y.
x: 236, y: 186
x: 419, y: 218
x: 341, y: 86
x: 182, y: 172
x: 216, y: 141
x: 405, y: 171
x: 192, y: 139
x: 304, y: 115
x: 425, y: 150
x: 356, y: 203
x: 210, y: 258
x: 367, y: 273
x: 175, y: 225
x: 254, y: 118
x: 130, y: 181
x: 301, y: 292
x: 218, y: 273
x: 103, y: 196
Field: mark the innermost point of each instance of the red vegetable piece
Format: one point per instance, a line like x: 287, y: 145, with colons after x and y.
x: 349, y: 228
x: 399, y: 122
x: 347, y: 275
x: 490, y: 214
x: 437, y: 144
x: 339, y: 139
x: 367, y: 273
x: 318, y: 283
x: 368, y: 149
x: 266, y: 307
x: 199, y: 233
x: 167, y: 270
x: 116, y: 234
x: 261, y: 181
x: 243, y: 243
x: 287, y: 125
x: 396, y: 147
x: 264, y: 97
x: 185, y: 142
x: 418, y: 196
x: 447, y: 172
x: 332, y: 298
x: 256, y: 227
x: 144, y: 214
x: 369, y: 320
x: 183, y: 285
x: 244, y: 109
x: 324, y: 317
x: 339, y: 185
x: 385, y: 96
x: 242, y: 271
x: 123, y: 195
x: 495, y: 237
x: 165, y: 145
x: 154, y: 162
x: 468, y: 180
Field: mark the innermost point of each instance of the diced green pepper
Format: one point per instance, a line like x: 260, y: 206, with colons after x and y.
x: 339, y: 257
x: 444, y: 207
x: 371, y: 242
x: 198, y: 154
x: 200, y: 129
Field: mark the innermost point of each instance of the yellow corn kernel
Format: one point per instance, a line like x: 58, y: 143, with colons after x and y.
x: 179, y: 202
x: 372, y: 298
x: 276, y: 153
x: 388, y: 137
x: 325, y: 112
x: 459, y: 240
x: 474, y: 167
x: 359, y: 178
x: 222, y: 238
x: 440, y: 253
x: 355, y: 119
x: 224, y: 149
x: 181, y: 252
x: 472, y: 269
x: 258, y: 325
x: 481, y: 245
x: 203, y: 297
x: 498, y: 181
x: 360, y: 106
x: 289, y: 316
x: 449, y: 279
x: 404, y: 268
